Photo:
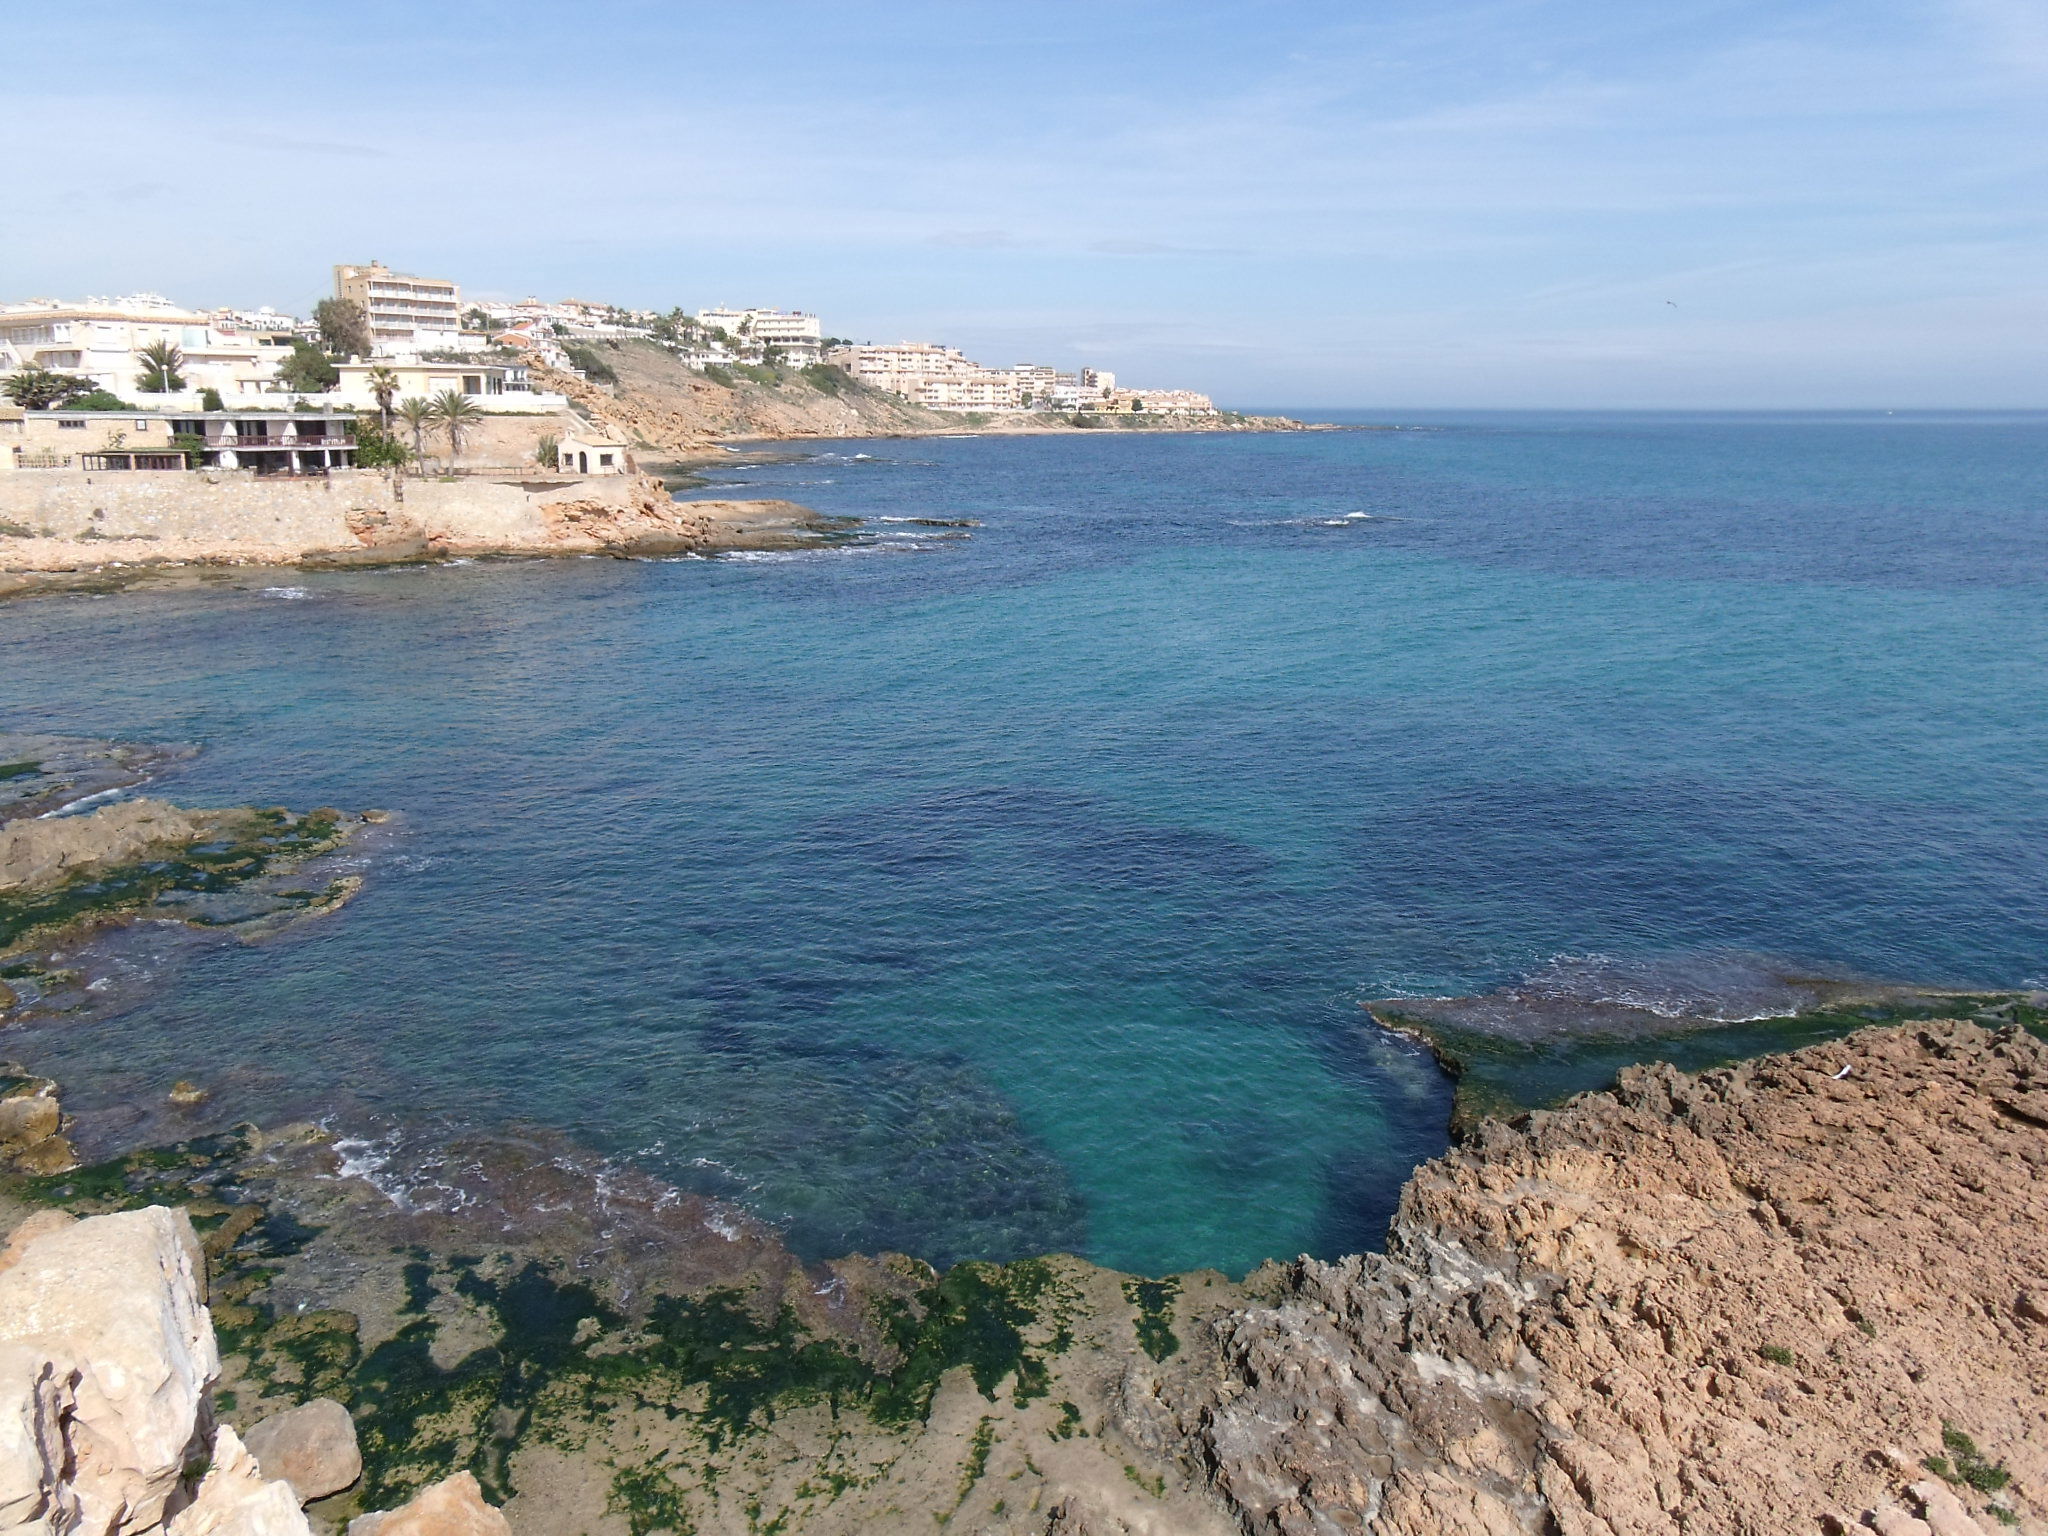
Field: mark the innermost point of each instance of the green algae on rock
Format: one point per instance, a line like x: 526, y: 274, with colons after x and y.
x: 67, y: 872
x: 1508, y: 1056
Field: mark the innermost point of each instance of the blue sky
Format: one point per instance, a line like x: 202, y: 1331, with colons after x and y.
x: 1712, y: 203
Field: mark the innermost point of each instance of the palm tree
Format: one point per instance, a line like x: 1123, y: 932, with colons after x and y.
x: 160, y: 364
x: 383, y: 385
x: 418, y: 415
x: 454, y: 413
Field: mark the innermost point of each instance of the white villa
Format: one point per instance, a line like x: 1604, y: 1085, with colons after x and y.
x: 103, y: 339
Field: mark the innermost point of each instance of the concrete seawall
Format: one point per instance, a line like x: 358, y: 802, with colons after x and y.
x: 61, y: 521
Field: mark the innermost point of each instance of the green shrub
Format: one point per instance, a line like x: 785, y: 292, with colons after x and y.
x: 378, y: 449
x: 1777, y: 1354
x: 1969, y: 1466
x: 592, y: 365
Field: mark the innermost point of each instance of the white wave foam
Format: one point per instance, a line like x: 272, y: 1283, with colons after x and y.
x: 288, y: 594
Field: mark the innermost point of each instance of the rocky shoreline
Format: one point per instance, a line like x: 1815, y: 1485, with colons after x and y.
x: 82, y: 533
x: 1801, y: 1293
x: 1804, y: 1293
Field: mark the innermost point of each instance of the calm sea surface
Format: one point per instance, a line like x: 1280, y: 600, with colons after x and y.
x: 984, y: 896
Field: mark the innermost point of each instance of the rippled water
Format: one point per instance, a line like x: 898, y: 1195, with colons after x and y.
x: 1014, y: 893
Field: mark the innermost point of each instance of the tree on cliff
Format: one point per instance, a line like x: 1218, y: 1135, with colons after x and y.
x: 36, y: 388
x: 160, y: 364
x: 344, y: 328
x: 307, y: 371
x: 418, y: 415
x: 455, y: 413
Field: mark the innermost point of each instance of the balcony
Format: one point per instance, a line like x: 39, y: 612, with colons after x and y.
x: 237, y: 444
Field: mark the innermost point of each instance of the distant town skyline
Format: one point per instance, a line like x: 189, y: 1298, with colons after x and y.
x: 1516, y: 203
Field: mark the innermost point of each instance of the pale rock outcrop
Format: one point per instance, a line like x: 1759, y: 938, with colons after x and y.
x: 312, y: 1447
x: 452, y: 1507
x: 33, y: 1226
x: 40, y: 850
x: 237, y: 1499
x: 35, y: 1399
x: 106, y: 1358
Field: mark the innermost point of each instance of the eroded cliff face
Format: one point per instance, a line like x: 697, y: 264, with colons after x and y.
x: 1804, y: 1293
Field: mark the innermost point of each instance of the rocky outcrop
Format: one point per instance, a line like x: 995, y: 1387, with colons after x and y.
x: 64, y: 878
x: 32, y: 1138
x: 312, y: 1447
x: 452, y: 1507
x: 238, y: 1498
x: 125, y: 527
x: 46, y: 850
x: 1770, y: 1298
x: 106, y: 1357
x: 107, y: 1365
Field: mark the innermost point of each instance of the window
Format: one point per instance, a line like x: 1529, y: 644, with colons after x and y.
x: 74, y: 426
x: 142, y: 423
x: 604, y: 461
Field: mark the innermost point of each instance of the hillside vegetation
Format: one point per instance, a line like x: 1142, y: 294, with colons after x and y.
x: 658, y: 405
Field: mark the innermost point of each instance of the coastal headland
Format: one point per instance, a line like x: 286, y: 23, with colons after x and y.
x: 1798, y: 1293
x: 72, y: 529
x: 79, y: 529
x: 662, y: 406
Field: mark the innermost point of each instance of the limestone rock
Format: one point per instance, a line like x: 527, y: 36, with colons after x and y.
x: 236, y: 1499
x: 110, y: 1348
x: 1732, y: 1302
x: 35, y: 1398
x: 33, y: 1226
x: 31, y: 1121
x: 1943, y: 1511
x: 452, y: 1507
x: 312, y: 1447
x: 40, y: 851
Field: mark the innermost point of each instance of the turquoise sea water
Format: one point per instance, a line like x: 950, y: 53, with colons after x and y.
x: 1013, y: 893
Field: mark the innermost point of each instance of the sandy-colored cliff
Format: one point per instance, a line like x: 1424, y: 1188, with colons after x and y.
x: 666, y: 409
x: 1808, y: 1293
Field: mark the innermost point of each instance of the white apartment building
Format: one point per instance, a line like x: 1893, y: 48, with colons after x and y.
x: 985, y: 389
x: 1157, y: 402
x: 903, y: 367
x: 797, y: 336
x: 501, y: 389
x: 407, y: 314
x: 1036, y: 385
x: 103, y: 338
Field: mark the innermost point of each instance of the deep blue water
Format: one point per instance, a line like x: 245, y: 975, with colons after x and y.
x: 1018, y: 892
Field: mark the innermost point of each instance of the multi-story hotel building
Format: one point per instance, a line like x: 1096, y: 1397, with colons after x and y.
x: 797, y: 336
x: 407, y: 314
